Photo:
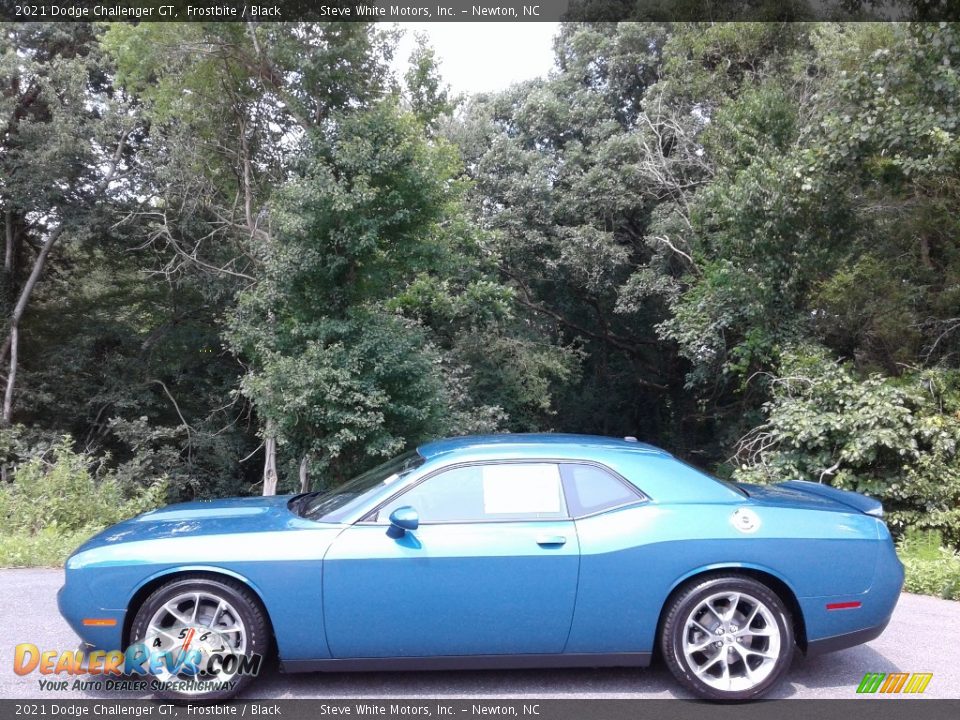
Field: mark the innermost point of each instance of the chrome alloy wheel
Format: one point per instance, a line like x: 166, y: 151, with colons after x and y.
x: 731, y: 641
x: 196, y: 621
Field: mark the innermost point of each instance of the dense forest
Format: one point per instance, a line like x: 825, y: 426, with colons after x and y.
x: 248, y: 258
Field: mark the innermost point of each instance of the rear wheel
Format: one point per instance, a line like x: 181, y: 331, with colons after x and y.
x: 727, y: 638
x: 200, y: 638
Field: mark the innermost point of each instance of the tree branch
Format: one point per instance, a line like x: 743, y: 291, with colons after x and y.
x: 183, y: 420
x: 630, y: 345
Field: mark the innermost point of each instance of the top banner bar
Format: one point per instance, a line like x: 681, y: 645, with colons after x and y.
x: 475, y: 10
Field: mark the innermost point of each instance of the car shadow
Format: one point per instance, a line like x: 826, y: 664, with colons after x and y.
x: 837, y: 670
x: 553, y: 683
x: 820, y: 676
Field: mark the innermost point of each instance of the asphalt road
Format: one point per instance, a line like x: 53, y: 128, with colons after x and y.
x: 923, y: 636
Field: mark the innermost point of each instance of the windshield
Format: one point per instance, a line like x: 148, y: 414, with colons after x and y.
x: 333, y: 505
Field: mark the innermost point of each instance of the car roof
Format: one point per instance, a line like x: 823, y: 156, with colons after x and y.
x: 547, y: 444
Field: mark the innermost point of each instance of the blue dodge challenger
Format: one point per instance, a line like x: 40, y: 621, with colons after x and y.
x: 503, y: 551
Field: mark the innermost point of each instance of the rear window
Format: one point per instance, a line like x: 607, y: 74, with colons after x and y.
x: 591, y: 489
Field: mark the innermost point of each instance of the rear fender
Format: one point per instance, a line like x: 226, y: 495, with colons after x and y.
x: 761, y: 573
x: 732, y: 567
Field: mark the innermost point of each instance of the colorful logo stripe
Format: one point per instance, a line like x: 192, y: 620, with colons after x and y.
x: 870, y: 683
x: 894, y: 683
x: 918, y: 683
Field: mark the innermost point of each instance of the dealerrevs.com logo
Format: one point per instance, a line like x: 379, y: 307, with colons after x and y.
x: 191, y: 660
x: 888, y: 683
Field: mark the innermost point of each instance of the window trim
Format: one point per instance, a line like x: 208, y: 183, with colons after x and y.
x: 365, y: 518
x: 640, y: 496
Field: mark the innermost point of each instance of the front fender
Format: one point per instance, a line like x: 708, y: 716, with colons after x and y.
x: 282, y: 568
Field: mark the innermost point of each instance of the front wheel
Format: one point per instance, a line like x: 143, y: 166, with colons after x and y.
x: 727, y: 638
x: 200, y: 639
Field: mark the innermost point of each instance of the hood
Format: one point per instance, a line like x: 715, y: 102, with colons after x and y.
x: 201, y: 517
x: 812, y: 496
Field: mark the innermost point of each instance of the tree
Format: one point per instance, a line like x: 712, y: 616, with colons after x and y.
x: 569, y: 175
x: 230, y: 107
x: 63, y: 146
x: 254, y: 177
x: 828, y: 217
x: 429, y: 98
x: 893, y: 439
x: 335, y: 371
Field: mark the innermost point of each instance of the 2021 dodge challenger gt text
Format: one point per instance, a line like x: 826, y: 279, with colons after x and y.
x: 501, y: 551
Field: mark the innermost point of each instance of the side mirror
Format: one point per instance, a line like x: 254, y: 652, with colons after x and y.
x: 403, y: 519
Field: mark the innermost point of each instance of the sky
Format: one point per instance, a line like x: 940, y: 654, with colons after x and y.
x: 481, y: 57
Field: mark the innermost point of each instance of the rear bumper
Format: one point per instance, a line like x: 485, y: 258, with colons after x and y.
x: 842, y: 642
x: 831, y: 628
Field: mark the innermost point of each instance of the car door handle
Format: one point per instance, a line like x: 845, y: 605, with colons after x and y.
x: 545, y: 540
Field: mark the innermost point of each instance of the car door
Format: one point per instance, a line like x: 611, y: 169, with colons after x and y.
x: 491, y: 569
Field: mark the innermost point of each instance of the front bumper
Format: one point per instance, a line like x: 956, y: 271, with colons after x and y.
x: 76, y: 605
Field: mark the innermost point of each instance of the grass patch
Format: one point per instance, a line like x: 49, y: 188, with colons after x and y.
x: 46, y: 548
x: 931, y: 569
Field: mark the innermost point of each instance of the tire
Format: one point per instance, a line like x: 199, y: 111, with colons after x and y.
x: 727, y: 637
x: 208, y: 617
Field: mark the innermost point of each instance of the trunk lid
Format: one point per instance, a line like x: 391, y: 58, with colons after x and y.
x: 813, y: 496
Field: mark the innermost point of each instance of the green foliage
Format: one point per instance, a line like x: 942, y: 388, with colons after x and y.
x: 231, y: 111
x: 187, y: 72
x: 834, y: 207
x: 58, y: 499
x: 362, y: 217
x: 648, y: 241
x: 363, y: 386
x: 707, y: 63
x: 566, y: 174
x: 371, y: 289
x: 894, y: 439
x: 930, y: 568
x: 65, y: 493
x: 429, y: 97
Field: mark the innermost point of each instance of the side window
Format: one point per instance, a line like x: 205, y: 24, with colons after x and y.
x: 486, y: 493
x: 591, y: 489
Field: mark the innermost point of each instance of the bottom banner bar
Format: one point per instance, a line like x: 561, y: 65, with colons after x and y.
x: 529, y: 708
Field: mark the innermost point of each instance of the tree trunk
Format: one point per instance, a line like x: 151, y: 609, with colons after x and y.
x: 24, y: 298
x: 15, y: 317
x: 9, y: 254
x: 270, y: 465
x: 12, y: 241
x: 304, y: 475
x: 925, y: 252
x: 11, y: 377
x: 8, y: 291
